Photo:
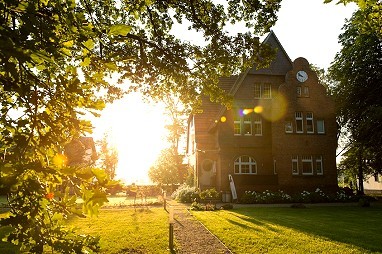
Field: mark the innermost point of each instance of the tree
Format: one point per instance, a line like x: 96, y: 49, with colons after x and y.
x: 55, y: 60
x: 166, y: 170
x: 357, y: 88
x: 372, y: 21
x: 108, y: 157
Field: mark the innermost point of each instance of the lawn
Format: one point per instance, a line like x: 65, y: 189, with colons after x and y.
x: 304, y: 230
x: 140, y: 230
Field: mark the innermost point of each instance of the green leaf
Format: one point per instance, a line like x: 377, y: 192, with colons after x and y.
x: 89, y: 44
x: 120, y: 29
x: 100, y: 175
x: 68, y: 44
x: 111, y: 66
x: 85, y: 62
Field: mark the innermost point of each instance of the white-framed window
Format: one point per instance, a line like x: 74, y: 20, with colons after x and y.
x: 319, y: 166
x: 288, y: 126
x: 298, y: 91
x: 257, y: 91
x: 307, y: 165
x: 257, y: 126
x: 267, y: 93
x: 247, y: 125
x: 262, y: 91
x: 309, y: 122
x: 295, y: 165
x: 299, y: 122
x: 237, y: 126
x: 320, y: 126
x: 245, y: 165
x: 306, y: 91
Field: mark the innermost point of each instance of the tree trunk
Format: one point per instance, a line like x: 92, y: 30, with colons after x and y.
x: 360, y: 190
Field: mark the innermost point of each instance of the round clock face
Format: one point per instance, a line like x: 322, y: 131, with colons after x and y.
x: 301, y: 76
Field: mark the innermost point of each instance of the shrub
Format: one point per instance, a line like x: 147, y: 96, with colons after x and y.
x: 185, y: 194
x: 195, y: 206
x: 269, y: 197
x: 209, y: 194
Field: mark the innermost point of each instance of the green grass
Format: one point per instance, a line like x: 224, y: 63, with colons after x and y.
x: 128, y: 230
x: 286, y: 230
x: 140, y: 230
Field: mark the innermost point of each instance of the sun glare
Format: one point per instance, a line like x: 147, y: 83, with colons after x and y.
x: 137, y: 130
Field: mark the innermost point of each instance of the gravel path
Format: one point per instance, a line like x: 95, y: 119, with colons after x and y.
x: 191, y: 236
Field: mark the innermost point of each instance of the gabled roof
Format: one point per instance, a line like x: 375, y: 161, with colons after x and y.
x: 279, y: 66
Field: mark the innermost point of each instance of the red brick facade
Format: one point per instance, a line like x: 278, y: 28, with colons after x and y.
x: 279, y: 135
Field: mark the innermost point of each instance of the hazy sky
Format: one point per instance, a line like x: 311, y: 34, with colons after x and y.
x: 310, y: 29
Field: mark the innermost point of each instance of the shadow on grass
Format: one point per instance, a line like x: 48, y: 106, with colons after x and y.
x: 358, y: 226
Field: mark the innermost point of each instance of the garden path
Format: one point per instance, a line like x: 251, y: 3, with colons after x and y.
x: 191, y: 236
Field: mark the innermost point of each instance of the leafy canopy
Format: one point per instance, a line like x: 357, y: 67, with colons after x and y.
x: 356, y: 71
x: 56, y: 63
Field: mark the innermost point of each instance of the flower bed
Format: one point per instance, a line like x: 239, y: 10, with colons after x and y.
x: 317, y: 196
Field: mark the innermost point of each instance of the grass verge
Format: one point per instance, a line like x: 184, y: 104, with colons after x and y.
x: 286, y: 230
x: 140, y: 230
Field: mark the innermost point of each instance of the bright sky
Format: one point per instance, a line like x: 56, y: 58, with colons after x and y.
x: 307, y: 29
x: 310, y: 29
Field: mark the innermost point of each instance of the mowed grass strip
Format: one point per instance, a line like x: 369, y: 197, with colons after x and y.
x: 140, y: 230
x: 286, y: 230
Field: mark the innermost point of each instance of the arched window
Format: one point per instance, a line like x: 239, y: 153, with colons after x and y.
x: 245, y: 165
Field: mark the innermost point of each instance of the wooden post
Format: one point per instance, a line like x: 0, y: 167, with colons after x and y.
x: 171, y: 229
x: 164, y: 201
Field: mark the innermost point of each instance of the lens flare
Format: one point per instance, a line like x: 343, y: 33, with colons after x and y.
x: 258, y: 109
x: 223, y: 119
x: 278, y: 110
x: 247, y: 111
x: 60, y: 160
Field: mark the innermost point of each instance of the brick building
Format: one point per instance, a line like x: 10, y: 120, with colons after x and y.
x: 280, y: 134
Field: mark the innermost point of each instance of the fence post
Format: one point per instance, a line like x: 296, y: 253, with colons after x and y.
x: 171, y: 229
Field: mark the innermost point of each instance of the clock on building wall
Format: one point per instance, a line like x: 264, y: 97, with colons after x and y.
x: 301, y: 76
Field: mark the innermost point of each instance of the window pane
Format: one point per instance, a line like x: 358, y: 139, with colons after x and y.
x: 306, y: 91
x: 245, y: 168
x: 298, y: 90
x: 295, y: 167
x: 267, y: 91
x: 237, y: 169
x: 288, y: 126
x: 257, y: 128
x: 309, y: 126
x: 245, y: 165
x: 320, y: 126
x: 299, y: 124
x: 244, y: 159
x: 247, y: 129
x: 257, y: 91
x: 307, y: 167
x: 237, y: 128
x: 319, y: 168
